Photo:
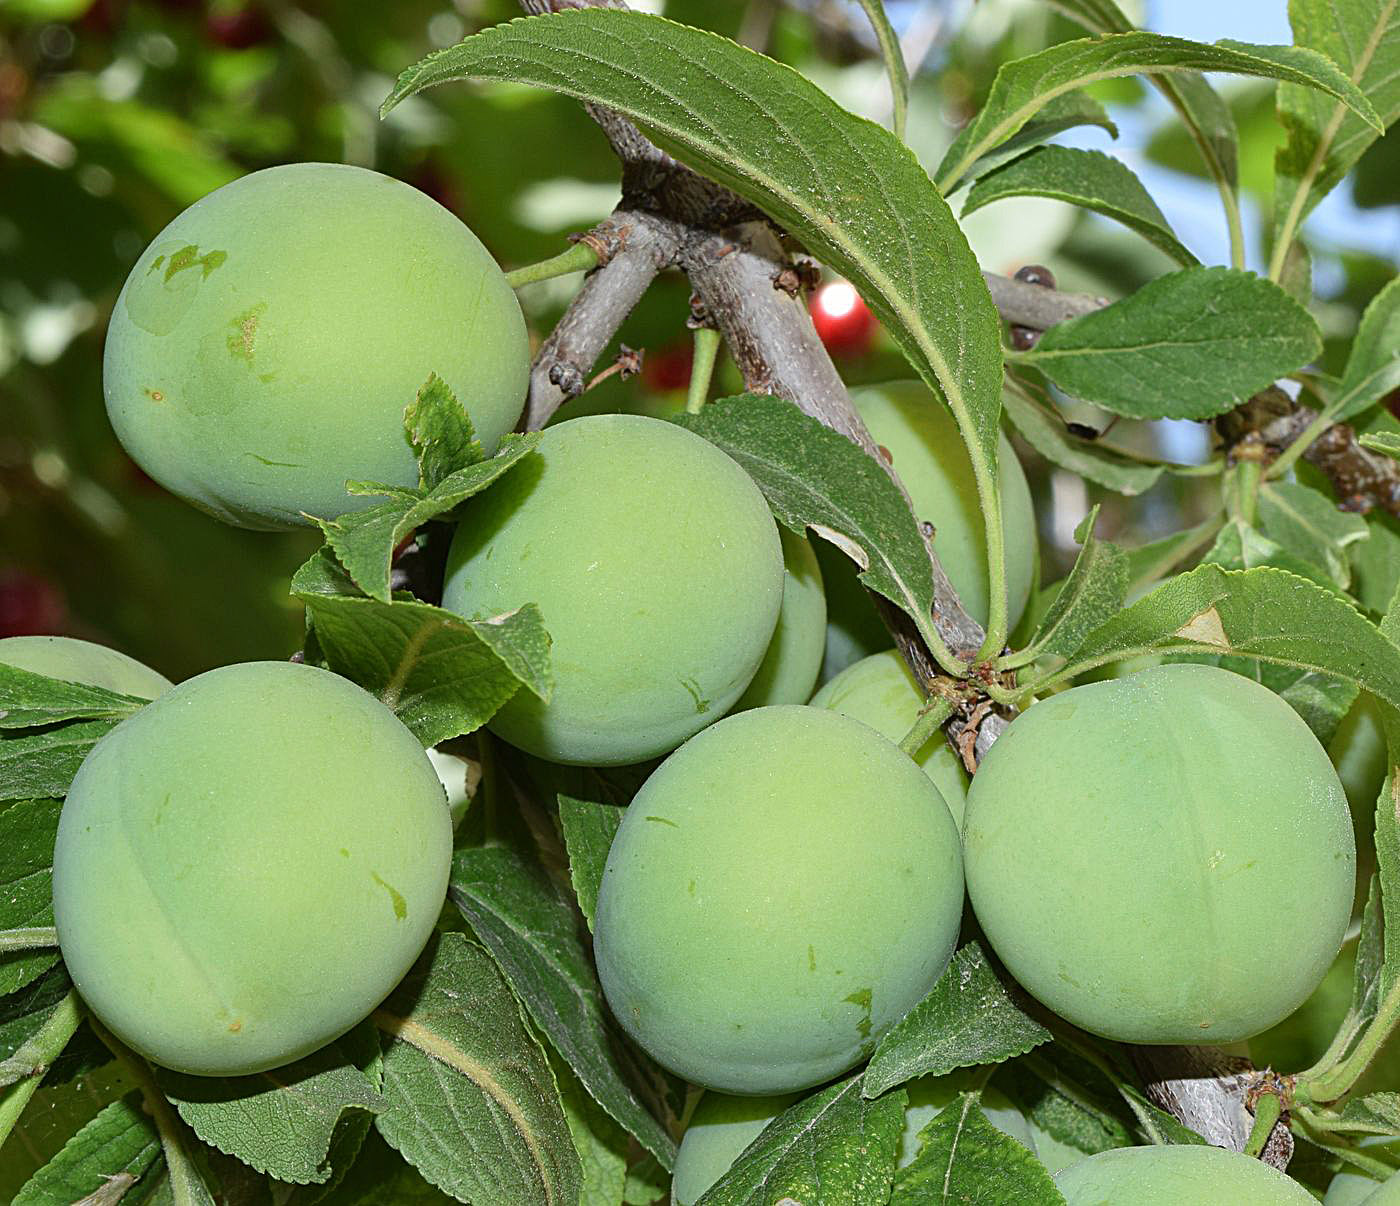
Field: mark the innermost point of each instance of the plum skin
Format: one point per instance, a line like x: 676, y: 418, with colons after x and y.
x: 927, y: 452
x: 657, y: 568
x: 879, y: 691
x: 762, y: 921
x: 265, y: 345
x: 789, y: 669
x: 1132, y: 816
x: 237, y: 884
x: 1177, y: 1175
x: 76, y: 661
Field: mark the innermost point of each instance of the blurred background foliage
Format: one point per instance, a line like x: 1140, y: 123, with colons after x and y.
x: 116, y: 114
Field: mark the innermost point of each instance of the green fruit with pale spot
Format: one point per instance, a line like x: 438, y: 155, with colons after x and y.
x: 247, y: 866
x: 83, y: 662
x: 1134, y: 815
x: 265, y: 345
x: 880, y: 691
x: 657, y: 568
x: 1177, y: 1175
x: 762, y: 920
x: 789, y: 669
x: 928, y: 454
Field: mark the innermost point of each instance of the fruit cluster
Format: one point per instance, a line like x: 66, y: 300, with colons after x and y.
x: 254, y: 859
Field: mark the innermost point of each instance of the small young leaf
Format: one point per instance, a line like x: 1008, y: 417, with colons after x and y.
x: 1370, y: 952
x: 27, y: 831
x: 1311, y: 527
x: 588, y: 833
x: 120, y: 1142
x: 835, y: 1148
x: 1087, y: 178
x: 1189, y: 345
x: 28, y: 700
x: 532, y: 933
x: 1065, y: 112
x: 867, y: 208
x: 964, y: 1158
x: 1047, y: 435
x: 1093, y: 593
x: 35, y: 763
x: 35, y: 1023
x: 365, y: 540
x: 971, y: 1016
x: 813, y: 476
x: 1374, y: 1114
x: 647, y: 1183
x: 1239, y: 546
x: 441, y: 433
x: 471, y: 1101
x: 444, y: 676
x: 281, y: 1122
x: 1373, y: 368
x: 1024, y: 85
x: 1072, y: 1101
x: 1384, y: 442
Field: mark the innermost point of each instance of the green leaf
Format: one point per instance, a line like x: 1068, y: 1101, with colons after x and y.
x: 444, y: 676
x: 647, y: 1183
x: 1147, y: 563
x: 34, y: 1021
x: 971, y: 1016
x: 365, y: 540
x: 281, y: 1122
x: 1065, y: 112
x: 1089, y: 179
x: 532, y: 932
x: 588, y: 833
x: 1374, y: 1114
x: 1387, y: 827
x: 1189, y: 345
x: 1311, y: 527
x: 836, y: 1148
x: 28, y: 700
x: 1073, y: 1104
x: 964, y: 1158
x: 1362, y: 37
x: 893, y: 55
x: 472, y: 1103
x: 1239, y: 546
x: 1262, y: 613
x: 1206, y: 117
x: 441, y: 433
x: 848, y: 189
x: 1093, y: 594
x: 27, y: 832
x: 1386, y: 442
x: 815, y: 477
x: 36, y: 763
x: 119, y: 1144
x: 601, y: 1144
x: 1024, y: 85
x: 1099, y: 464
x: 1373, y: 368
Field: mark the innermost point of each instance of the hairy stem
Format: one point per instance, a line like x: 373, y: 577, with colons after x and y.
x: 579, y: 258
x: 702, y: 368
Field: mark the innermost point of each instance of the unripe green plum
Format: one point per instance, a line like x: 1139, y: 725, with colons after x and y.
x: 853, y: 627
x: 247, y: 866
x: 880, y: 691
x: 76, y: 661
x: 1188, y: 1174
x: 656, y: 565
x: 789, y: 669
x: 1352, y: 1188
x: 927, y: 452
x: 1114, y: 828
x: 265, y: 345
x: 723, y: 1126
x: 762, y: 920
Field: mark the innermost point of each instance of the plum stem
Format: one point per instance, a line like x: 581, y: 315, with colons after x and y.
x: 579, y: 258
x: 1266, y: 1115
x: 702, y: 368
x: 929, y: 720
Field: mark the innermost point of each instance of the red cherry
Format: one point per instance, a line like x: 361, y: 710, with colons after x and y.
x: 843, y: 320
x: 668, y: 368
x: 30, y: 605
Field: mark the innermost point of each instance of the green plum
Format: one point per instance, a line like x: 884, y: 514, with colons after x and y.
x: 880, y: 691
x: 1137, y: 815
x: 853, y: 627
x: 1186, y: 1174
x: 265, y: 345
x: 723, y: 1126
x: 658, y: 570
x: 927, y: 452
x: 1352, y: 1188
x: 83, y: 662
x: 247, y: 866
x: 763, y: 920
x: 789, y: 669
